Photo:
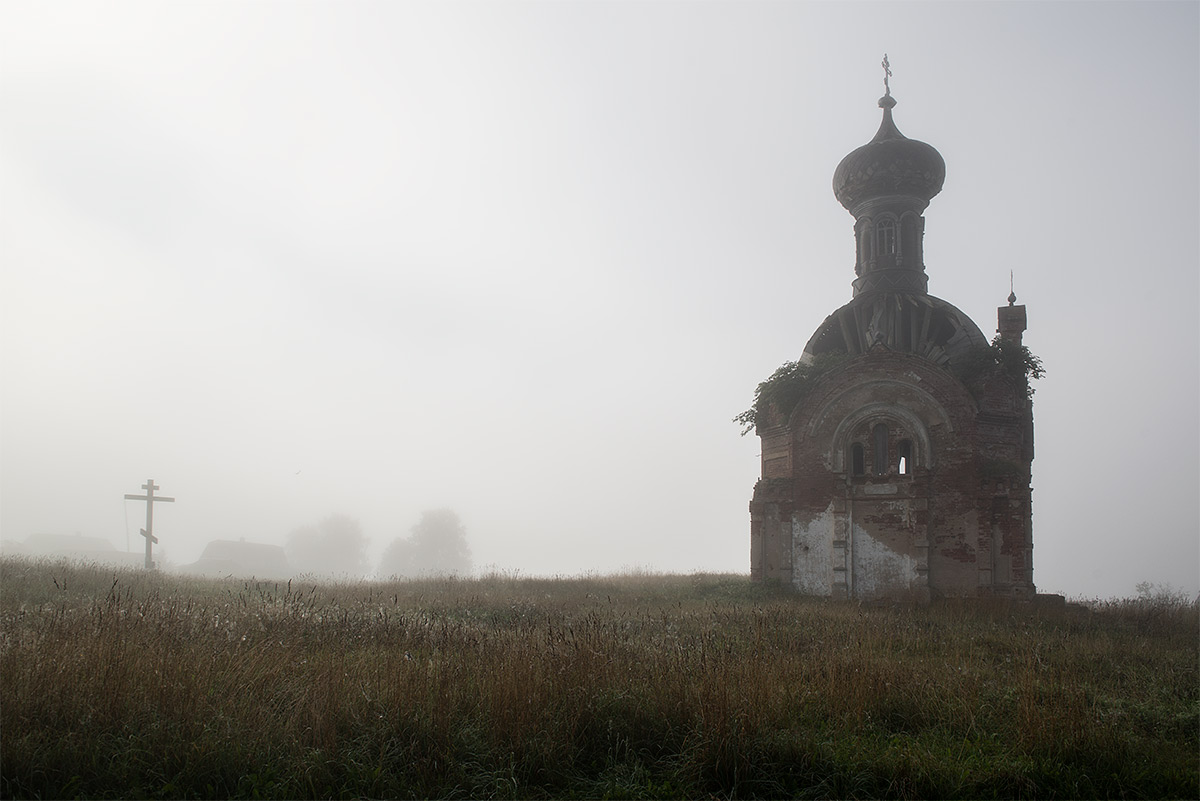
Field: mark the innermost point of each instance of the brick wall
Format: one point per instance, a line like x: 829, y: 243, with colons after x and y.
x: 952, y: 519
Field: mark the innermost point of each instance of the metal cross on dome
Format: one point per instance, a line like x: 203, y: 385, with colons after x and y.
x: 887, y: 73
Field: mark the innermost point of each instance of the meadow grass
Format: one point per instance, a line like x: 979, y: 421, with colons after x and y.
x: 133, y: 684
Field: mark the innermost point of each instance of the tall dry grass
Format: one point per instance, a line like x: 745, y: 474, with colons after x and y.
x: 134, y: 684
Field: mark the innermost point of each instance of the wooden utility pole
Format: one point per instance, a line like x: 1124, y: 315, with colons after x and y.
x: 148, y: 532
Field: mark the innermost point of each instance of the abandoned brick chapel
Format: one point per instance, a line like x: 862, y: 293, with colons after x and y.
x: 897, y: 451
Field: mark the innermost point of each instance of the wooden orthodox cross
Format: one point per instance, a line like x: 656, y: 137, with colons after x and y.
x: 148, y: 532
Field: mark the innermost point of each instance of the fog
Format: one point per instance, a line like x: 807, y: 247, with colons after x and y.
x: 526, y: 260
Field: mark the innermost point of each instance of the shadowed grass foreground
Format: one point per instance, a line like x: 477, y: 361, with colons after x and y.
x: 132, y: 684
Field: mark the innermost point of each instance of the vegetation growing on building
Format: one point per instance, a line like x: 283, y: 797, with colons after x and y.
x: 787, y: 386
x: 1003, y: 357
x: 792, y: 382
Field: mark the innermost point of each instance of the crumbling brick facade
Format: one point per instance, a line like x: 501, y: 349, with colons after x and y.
x: 900, y: 464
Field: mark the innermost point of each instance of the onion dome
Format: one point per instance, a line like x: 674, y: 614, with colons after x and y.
x: 889, y: 165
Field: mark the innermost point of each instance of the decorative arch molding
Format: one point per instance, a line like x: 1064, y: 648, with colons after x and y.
x: 871, y: 387
x: 873, y: 413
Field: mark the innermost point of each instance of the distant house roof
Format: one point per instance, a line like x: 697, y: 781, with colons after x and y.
x: 240, y: 558
x: 13, y: 548
x: 75, y: 547
x: 67, y: 543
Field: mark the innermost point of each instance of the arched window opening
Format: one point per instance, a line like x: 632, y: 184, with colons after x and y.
x: 905, y: 464
x: 885, y: 236
x: 880, y: 450
x: 857, y: 460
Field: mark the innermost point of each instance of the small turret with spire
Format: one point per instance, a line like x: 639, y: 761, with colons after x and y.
x: 1010, y: 320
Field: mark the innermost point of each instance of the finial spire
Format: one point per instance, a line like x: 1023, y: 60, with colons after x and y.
x: 1012, y: 294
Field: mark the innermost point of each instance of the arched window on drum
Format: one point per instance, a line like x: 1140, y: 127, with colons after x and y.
x: 885, y: 237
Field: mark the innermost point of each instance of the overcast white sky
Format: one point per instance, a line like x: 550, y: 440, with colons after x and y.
x: 528, y: 259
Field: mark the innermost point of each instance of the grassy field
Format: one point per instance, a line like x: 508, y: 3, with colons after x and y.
x: 133, y: 684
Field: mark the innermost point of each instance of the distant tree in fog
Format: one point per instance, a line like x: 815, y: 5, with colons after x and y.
x: 334, y: 547
x: 437, y: 547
